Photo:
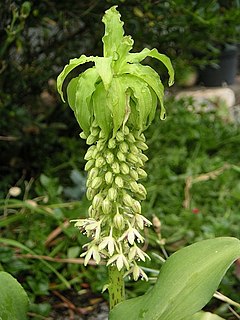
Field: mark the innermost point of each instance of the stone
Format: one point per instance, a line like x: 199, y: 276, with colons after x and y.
x: 211, y: 97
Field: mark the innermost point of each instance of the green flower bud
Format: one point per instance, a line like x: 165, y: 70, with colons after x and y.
x: 93, y: 173
x: 89, y: 164
x: 132, y: 158
x: 111, y: 144
x: 92, y: 212
x: 124, y: 168
x: 106, y: 206
x: 90, y: 193
x: 109, y: 177
x: 100, y: 145
x: 82, y: 135
x: 91, y: 139
x: 109, y: 157
x: 119, y: 181
x: 112, y: 194
x: 134, y: 187
x: 134, y: 174
x: 97, y: 201
x: 96, y: 182
x: 142, y: 174
x: 142, y: 137
x: 120, y: 136
x: 95, y: 131
x: 130, y: 137
x: 121, y: 156
x: 99, y: 162
x: 143, y: 157
x: 134, y: 149
x: 125, y: 130
x: 141, y: 145
x: 115, y: 168
x: 128, y: 200
x: 123, y: 147
x: 102, y: 135
x: 136, y: 206
x: 142, y: 189
x: 118, y: 221
x: 89, y: 153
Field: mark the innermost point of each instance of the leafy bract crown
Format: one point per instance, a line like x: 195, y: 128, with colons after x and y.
x: 117, y: 89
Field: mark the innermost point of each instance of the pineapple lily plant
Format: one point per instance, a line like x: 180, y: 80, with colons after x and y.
x: 114, y: 102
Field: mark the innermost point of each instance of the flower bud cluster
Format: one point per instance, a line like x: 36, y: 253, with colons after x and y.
x: 115, y: 166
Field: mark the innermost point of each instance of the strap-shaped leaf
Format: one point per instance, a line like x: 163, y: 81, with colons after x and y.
x: 103, y: 66
x: 85, y: 88
x: 138, y: 57
x: 101, y: 111
x: 73, y: 63
x: 113, y: 31
x: 13, y: 299
x: 149, y: 75
x: 186, y: 282
x: 116, y: 102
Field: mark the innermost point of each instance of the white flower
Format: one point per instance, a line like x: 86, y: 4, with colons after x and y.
x: 120, y: 261
x: 131, y: 234
x: 91, y: 252
x: 108, y: 242
x: 137, y: 253
x: 137, y: 273
x: 141, y: 221
x: 90, y: 226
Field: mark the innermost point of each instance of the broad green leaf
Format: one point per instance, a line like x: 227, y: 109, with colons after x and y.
x: 142, y: 97
x: 153, y: 109
x: 116, y: 102
x: 71, y: 92
x: 123, y: 50
x: 186, y: 282
x: 73, y: 63
x: 149, y: 75
x: 83, y: 107
x: 138, y: 57
x: 113, y: 31
x: 204, y: 316
x: 103, y: 66
x: 101, y: 111
x: 13, y: 299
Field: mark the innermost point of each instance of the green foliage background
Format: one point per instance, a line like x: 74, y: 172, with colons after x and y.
x: 41, y: 151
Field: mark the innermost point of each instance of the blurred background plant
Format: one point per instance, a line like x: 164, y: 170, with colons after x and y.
x: 193, y: 171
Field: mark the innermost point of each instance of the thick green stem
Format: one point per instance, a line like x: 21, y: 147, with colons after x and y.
x: 116, y: 287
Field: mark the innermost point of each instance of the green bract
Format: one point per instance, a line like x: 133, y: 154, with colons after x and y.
x: 117, y: 89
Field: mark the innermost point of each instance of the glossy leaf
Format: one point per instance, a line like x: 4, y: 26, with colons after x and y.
x: 150, y: 76
x: 101, y: 111
x: 73, y: 63
x: 71, y: 92
x: 85, y: 88
x: 142, y: 98
x: 13, y: 299
x: 123, y: 50
x: 186, y: 282
x: 103, y: 66
x: 113, y: 32
x: 138, y: 57
x: 116, y: 102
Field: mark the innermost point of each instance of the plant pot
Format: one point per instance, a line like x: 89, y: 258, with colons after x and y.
x: 224, y: 73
